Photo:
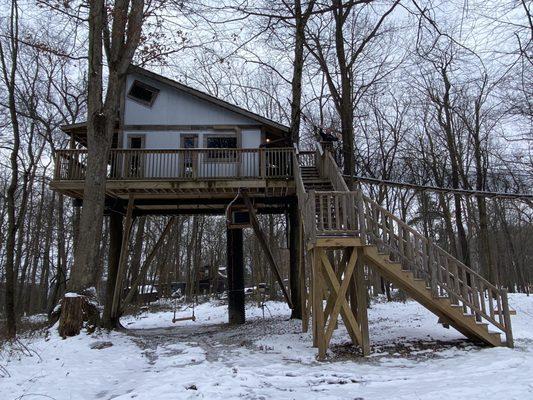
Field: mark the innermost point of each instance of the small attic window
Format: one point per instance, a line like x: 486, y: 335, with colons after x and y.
x: 143, y: 93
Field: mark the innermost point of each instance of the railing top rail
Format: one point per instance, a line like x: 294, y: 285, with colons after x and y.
x: 332, y: 192
x: 435, y: 246
x: 254, y: 149
x: 319, y: 148
x: 179, y: 163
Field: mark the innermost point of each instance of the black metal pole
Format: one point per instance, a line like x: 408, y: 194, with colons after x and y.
x: 235, y: 276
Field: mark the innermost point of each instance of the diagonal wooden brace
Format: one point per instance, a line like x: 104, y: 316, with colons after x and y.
x: 341, y: 304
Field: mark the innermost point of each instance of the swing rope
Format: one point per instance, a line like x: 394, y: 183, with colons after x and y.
x: 191, y: 318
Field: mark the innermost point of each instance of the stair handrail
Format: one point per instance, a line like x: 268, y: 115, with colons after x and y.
x: 424, y: 239
x: 331, y: 171
x: 442, y: 272
x: 305, y: 199
x: 334, y: 175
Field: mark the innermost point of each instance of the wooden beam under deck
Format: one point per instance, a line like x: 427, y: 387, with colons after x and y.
x: 204, y: 211
x: 189, y: 189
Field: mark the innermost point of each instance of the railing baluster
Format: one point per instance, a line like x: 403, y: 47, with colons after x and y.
x: 465, y: 290
x: 499, y: 305
x: 491, y: 302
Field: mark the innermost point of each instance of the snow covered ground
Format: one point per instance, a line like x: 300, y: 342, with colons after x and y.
x: 412, y: 358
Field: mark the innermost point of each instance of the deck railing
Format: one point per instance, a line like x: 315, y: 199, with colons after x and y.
x: 181, y: 164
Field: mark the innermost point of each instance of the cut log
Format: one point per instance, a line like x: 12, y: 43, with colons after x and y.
x: 75, y: 310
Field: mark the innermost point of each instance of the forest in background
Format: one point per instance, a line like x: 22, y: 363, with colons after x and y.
x: 430, y: 99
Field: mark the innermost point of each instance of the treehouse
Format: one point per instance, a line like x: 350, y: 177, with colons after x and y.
x: 177, y: 150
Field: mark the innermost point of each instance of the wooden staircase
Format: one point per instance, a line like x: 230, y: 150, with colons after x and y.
x: 335, y: 218
x: 312, y: 180
x: 442, y: 306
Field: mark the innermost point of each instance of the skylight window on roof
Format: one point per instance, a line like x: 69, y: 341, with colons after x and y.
x: 143, y: 93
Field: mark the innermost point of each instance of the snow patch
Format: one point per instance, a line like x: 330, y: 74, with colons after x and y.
x: 412, y: 358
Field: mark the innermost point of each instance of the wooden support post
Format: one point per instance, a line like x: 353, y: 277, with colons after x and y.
x: 361, y: 295
x: 311, y: 300
x: 116, y: 231
x: 509, y: 341
x: 318, y: 310
x: 264, y: 245
x: 235, y: 272
x: 303, y: 285
x: 295, y: 266
x: 122, y: 261
x: 147, y: 262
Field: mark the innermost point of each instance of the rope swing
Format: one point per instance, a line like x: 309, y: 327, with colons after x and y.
x: 191, y: 318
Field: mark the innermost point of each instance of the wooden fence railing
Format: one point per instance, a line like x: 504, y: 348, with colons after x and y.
x: 181, y: 164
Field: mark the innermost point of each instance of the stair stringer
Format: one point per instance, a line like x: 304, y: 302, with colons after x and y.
x: 441, y: 307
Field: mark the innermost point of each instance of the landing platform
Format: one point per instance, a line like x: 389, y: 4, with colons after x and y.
x: 333, y: 241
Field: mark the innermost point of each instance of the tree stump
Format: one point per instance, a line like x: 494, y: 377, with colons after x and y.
x: 75, y: 309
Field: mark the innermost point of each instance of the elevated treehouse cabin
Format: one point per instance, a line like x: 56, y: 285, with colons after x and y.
x: 174, y: 142
x: 181, y: 151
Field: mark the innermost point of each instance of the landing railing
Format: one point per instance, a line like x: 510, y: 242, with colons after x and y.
x: 307, y: 158
x: 181, y: 164
x: 343, y: 212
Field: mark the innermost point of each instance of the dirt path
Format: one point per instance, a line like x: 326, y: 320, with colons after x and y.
x: 218, y: 341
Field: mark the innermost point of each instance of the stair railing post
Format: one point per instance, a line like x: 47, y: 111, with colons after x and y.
x: 509, y: 341
x: 312, y: 212
x: 432, y: 268
x: 360, y: 205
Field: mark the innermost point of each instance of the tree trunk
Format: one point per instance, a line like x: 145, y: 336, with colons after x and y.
x: 83, y: 272
x: 115, y: 239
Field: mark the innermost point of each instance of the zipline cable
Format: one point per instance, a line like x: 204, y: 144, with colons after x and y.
x: 428, y: 188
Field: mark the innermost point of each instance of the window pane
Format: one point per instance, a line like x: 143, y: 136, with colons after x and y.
x: 135, y: 143
x: 222, y: 142
x: 143, y: 93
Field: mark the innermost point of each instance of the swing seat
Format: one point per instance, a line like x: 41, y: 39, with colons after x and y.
x: 191, y: 318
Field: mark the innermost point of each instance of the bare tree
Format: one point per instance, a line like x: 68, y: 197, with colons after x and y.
x: 9, y: 51
x: 117, y: 33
